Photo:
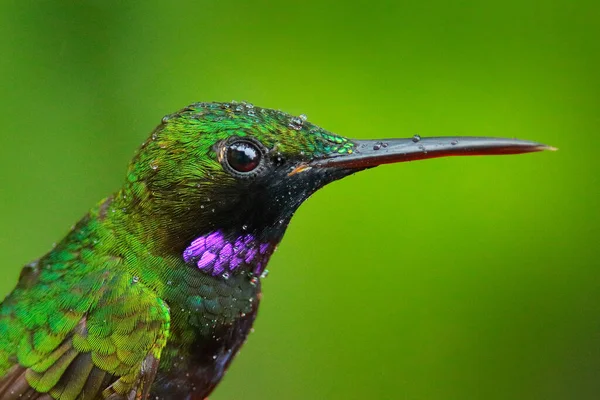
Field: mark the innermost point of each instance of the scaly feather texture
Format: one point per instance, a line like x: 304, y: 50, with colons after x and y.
x: 154, y: 291
x: 121, y: 300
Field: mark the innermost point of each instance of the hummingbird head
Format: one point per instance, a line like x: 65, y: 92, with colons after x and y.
x: 231, y: 167
x: 239, y: 172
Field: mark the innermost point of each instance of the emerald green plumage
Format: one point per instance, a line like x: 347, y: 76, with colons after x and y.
x: 79, y: 300
x: 100, y: 299
x: 155, y: 290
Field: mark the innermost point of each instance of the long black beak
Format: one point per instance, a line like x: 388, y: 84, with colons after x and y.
x: 370, y: 153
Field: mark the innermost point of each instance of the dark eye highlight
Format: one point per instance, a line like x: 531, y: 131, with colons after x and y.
x: 243, y: 156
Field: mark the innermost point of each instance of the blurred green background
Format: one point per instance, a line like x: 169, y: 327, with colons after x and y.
x: 460, y: 278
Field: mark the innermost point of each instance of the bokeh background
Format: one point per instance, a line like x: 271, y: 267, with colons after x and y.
x: 460, y: 278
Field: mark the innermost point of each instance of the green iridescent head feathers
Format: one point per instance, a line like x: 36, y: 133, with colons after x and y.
x: 179, y: 180
x: 194, y: 131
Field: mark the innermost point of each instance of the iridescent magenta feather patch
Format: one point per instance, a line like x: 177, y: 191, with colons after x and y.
x: 216, y: 254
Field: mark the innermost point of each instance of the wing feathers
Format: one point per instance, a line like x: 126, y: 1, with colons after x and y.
x: 100, y: 358
x: 74, y: 378
x: 16, y: 386
x: 43, y: 382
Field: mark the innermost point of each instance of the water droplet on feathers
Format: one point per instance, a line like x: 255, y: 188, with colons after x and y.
x: 416, y: 138
x: 296, y: 123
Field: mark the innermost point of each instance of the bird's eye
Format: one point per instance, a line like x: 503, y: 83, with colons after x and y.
x: 243, y: 156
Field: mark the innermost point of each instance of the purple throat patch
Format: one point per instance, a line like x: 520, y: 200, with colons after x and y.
x: 216, y: 254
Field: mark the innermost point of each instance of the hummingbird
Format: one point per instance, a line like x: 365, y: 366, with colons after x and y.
x: 153, y: 292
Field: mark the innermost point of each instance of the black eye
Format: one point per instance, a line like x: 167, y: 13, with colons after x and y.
x: 243, y: 156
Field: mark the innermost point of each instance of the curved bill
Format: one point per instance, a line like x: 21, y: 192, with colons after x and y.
x: 370, y: 153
